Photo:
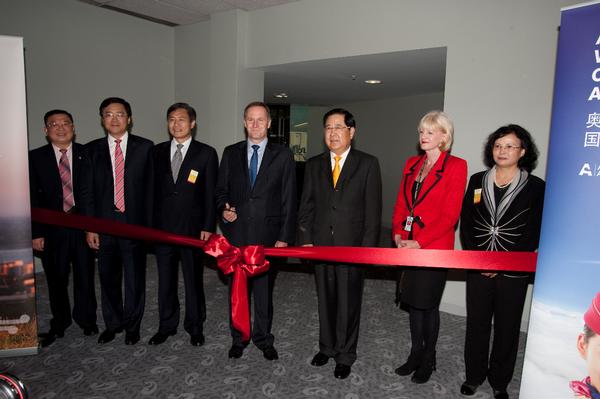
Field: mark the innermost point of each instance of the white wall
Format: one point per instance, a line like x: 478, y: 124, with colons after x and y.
x: 76, y: 55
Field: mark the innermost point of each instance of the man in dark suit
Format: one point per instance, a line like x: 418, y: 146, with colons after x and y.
x: 340, y: 206
x: 118, y: 186
x: 256, y: 197
x: 185, y: 175
x: 55, y: 182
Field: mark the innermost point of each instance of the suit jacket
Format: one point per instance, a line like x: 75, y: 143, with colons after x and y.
x: 522, y: 220
x: 45, y: 184
x: 438, y: 203
x: 186, y: 206
x: 349, y: 214
x: 98, y: 188
x: 266, y: 213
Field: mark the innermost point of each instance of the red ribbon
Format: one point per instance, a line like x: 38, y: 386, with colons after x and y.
x: 243, y: 263
x: 250, y: 261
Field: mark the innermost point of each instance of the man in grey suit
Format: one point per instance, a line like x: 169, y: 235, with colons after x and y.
x: 256, y: 198
x: 340, y: 206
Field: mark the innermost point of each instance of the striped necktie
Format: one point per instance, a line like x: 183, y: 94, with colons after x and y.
x: 65, y: 177
x: 119, y: 177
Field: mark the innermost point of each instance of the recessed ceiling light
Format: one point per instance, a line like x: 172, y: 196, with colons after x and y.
x: 280, y: 95
x: 373, y: 82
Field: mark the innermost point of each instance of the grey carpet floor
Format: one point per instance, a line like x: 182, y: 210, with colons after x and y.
x: 77, y: 367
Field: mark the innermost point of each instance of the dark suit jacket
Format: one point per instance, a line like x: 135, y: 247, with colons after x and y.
x: 348, y: 215
x: 98, y: 188
x: 45, y: 184
x: 438, y: 204
x: 267, y: 212
x: 186, y: 206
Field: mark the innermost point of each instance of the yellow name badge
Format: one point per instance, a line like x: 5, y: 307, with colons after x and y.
x: 194, y: 175
x: 477, y: 196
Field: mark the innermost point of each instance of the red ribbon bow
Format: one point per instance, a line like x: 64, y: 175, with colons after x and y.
x: 243, y: 262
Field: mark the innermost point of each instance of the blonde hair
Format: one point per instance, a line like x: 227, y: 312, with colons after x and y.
x: 439, y: 120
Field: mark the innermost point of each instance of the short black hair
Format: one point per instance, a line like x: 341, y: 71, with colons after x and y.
x: 190, y: 110
x: 56, y: 112
x: 348, y: 117
x: 257, y: 104
x: 115, y: 100
x: 527, y: 161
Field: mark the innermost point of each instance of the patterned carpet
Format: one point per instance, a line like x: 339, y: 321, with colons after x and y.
x: 77, y: 367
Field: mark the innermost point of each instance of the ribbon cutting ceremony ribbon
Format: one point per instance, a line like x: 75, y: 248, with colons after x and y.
x: 250, y: 261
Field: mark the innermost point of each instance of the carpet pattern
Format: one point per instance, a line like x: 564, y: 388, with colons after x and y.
x: 77, y: 367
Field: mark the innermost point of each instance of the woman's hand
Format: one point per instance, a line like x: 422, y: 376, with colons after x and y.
x: 408, y: 244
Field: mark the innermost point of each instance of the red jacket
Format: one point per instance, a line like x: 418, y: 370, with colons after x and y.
x: 438, y: 204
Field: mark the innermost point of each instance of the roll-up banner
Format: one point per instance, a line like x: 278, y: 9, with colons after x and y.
x: 558, y: 358
x: 18, y: 327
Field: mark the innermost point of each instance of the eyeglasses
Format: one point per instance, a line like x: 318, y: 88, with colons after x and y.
x: 118, y: 115
x: 507, y: 147
x: 56, y: 125
x: 336, y: 128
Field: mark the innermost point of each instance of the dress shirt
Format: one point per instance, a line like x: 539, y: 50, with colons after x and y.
x: 111, y: 147
x: 342, y: 160
x: 261, y: 151
x: 186, y: 145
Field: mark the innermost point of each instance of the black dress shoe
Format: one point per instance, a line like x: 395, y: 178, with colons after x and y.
x: 319, y: 360
x: 500, y: 394
x: 412, y: 363
x: 468, y: 389
x: 47, y: 340
x: 423, y: 372
x: 197, y: 339
x: 89, y: 331
x: 52, y: 334
x: 236, y: 351
x: 132, y: 338
x: 341, y: 371
x: 159, y: 338
x: 270, y: 353
x: 106, y: 336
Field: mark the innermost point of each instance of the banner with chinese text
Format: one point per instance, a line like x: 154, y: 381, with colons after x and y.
x: 568, y: 268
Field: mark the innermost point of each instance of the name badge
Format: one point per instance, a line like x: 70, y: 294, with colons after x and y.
x: 192, y: 176
x: 408, y: 224
x: 477, y: 196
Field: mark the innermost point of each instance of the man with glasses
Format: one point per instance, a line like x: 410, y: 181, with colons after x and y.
x: 340, y: 206
x: 118, y: 186
x: 185, y: 172
x: 55, y: 183
x: 256, y: 199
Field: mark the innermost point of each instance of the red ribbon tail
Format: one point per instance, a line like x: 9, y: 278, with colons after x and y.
x: 240, y: 310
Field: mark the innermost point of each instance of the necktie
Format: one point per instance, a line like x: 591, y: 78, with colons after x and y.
x: 176, y: 162
x: 65, y: 177
x: 254, y: 165
x: 336, y: 170
x: 119, y: 177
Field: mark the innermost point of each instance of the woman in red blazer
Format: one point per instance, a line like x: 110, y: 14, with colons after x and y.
x: 426, y: 213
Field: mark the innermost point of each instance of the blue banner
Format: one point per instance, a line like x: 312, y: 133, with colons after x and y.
x: 568, y: 270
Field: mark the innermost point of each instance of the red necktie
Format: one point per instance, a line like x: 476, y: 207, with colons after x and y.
x: 119, y: 177
x: 65, y: 177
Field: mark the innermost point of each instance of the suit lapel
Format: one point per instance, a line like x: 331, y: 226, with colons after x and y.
x: 409, y: 180
x: 433, y: 177
x: 187, y: 160
x: 266, y: 161
x: 326, y: 171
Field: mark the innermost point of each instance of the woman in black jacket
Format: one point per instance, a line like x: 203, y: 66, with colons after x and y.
x: 501, y: 211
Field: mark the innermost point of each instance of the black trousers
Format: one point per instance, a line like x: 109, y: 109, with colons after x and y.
x: 260, y: 293
x: 122, y: 261
x: 339, y: 292
x: 501, y: 298
x: 64, y: 248
x: 167, y: 259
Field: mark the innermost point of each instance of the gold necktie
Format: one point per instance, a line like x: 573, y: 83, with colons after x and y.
x: 336, y: 170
